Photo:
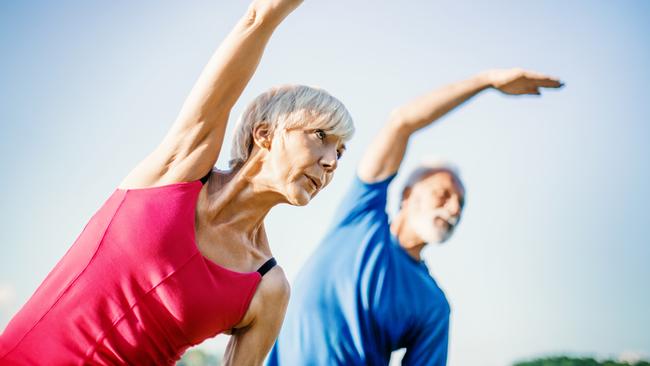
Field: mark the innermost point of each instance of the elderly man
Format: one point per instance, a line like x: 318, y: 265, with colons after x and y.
x: 366, y: 292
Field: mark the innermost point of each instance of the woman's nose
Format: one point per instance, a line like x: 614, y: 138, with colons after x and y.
x: 329, y: 161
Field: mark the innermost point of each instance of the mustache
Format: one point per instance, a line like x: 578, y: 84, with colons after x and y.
x: 452, y: 220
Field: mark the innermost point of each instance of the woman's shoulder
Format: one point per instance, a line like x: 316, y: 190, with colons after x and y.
x: 274, y: 287
x: 271, y: 298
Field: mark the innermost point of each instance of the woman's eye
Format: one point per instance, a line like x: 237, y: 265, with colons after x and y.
x: 320, y: 134
x: 339, y: 153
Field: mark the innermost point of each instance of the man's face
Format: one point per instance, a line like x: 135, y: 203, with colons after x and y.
x: 434, y: 205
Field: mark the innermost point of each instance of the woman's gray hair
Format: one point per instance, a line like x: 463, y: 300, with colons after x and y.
x: 290, y: 106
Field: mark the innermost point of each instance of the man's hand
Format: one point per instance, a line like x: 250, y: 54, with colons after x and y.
x: 518, y: 81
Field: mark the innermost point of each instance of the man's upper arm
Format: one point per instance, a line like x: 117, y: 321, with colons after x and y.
x: 384, y: 156
x: 428, y: 345
x: 363, y: 199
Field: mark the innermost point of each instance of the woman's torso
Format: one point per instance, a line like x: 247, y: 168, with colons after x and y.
x: 133, y: 288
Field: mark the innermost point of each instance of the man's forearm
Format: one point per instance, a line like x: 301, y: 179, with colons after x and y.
x: 385, y: 154
x: 428, y: 108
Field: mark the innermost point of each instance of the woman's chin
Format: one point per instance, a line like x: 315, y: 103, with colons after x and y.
x: 301, y: 198
x: 300, y: 201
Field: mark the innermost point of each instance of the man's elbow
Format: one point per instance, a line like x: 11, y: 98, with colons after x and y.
x: 399, y: 123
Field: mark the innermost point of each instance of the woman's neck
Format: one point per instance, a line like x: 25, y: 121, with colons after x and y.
x: 240, y: 199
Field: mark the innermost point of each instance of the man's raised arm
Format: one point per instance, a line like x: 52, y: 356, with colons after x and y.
x: 384, y: 156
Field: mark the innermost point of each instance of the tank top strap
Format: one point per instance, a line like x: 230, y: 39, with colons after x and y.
x: 267, y: 266
x: 205, y: 178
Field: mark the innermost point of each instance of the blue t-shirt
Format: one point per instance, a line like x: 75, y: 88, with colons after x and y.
x: 360, y: 296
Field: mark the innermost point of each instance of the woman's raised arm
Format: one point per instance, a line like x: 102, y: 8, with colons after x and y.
x: 192, y: 145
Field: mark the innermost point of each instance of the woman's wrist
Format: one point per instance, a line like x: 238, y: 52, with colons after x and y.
x: 270, y: 12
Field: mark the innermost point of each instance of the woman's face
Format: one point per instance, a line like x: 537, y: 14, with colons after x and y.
x: 302, y: 162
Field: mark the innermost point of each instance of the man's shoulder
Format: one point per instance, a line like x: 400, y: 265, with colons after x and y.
x: 433, y: 297
x: 420, y: 279
x: 377, y: 191
x: 363, y: 202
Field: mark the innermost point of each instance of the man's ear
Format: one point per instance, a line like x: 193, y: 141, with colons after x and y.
x: 262, y: 135
x: 406, y: 193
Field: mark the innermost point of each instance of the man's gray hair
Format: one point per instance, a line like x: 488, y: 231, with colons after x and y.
x: 290, y: 106
x: 428, y: 167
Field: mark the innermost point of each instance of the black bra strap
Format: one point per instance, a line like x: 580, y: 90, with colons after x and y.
x: 267, y: 266
x: 206, y: 177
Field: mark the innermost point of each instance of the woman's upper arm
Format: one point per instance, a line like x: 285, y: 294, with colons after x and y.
x: 176, y: 159
x: 250, y: 345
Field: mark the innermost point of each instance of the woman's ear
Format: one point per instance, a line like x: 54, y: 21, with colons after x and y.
x: 262, y: 135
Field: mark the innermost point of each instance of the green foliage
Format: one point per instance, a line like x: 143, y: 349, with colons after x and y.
x: 570, y: 361
x: 198, y: 357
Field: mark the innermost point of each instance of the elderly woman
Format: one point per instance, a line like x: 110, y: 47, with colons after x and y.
x: 178, y: 253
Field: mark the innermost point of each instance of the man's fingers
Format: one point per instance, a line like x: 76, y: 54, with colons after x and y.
x: 543, y: 80
x: 548, y: 83
x: 535, y: 92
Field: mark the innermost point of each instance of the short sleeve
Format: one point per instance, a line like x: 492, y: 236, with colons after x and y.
x: 428, y: 345
x: 362, y: 199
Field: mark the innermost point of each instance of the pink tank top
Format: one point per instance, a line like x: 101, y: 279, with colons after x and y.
x: 132, y: 289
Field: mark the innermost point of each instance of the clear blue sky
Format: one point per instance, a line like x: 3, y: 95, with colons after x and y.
x: 553, y: 252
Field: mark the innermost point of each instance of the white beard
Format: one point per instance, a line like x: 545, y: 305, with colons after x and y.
x: 423, y: 223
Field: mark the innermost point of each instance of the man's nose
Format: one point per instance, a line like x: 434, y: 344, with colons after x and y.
x: 453, y: 206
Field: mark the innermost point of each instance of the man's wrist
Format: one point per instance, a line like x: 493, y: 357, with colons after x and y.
x: 485, y: 79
